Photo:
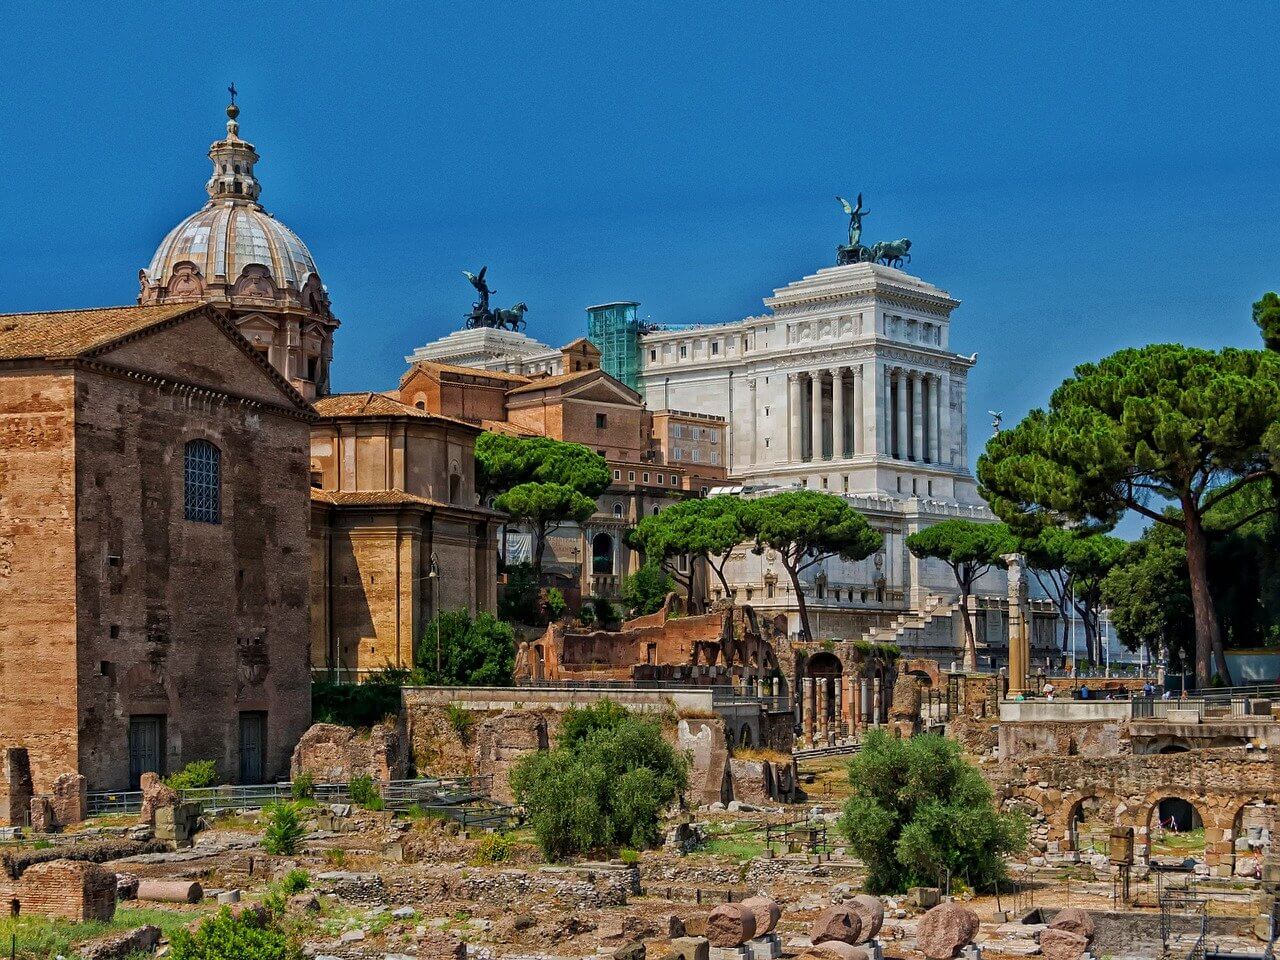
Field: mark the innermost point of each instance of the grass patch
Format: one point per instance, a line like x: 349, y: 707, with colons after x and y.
x: 760, y: 755
x: 38, y: 938
x: 739, y: 842
x: 1187, y: 844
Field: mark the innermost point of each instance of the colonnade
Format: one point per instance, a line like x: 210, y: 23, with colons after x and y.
x: 831, y: 707
x: 915, y: 404
x: 844, y: 411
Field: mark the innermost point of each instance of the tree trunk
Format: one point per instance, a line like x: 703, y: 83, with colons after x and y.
x: 539, y: 545
x: 728, y: 594
x: 1209, y: 653
x: 970, y: 641
x: 801, y: 606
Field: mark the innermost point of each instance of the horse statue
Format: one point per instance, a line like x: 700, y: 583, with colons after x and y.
x: 892, y: 253
x: 511, y: 319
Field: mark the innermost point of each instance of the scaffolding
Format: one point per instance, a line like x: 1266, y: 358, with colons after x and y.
x: 615, y: 331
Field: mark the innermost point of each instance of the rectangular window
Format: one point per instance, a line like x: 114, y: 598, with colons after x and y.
x: 602, y: 421
x: 684, y: 351
x: 644, y: 477
x: 679, y: 454
x: 661, y: 479
x: 675, y: 481
x: 653, y: 356
x: 631, y: 476
x: 715, y: 348
x: 617, y: 474
x: 697, y: 456
x: 715, y: 457
x: 744, y: 344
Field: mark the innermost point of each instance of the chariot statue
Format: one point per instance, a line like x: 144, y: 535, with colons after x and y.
x: 482, y: 316
x: 892, y: 253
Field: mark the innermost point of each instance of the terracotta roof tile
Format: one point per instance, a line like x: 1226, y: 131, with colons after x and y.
x: 547, y: 383
x: 347, y: 405
x: 469, y: 371
x: 73, y: 333
x: 372, y: 498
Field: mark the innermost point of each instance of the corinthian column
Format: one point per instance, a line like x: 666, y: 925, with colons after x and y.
x: 859, y: 444
x: 917, y: 417
x: 793, y: 414
x: 901, y: 439
x: 837, y: 414
x: 935, y: 420
x: 815, y: 416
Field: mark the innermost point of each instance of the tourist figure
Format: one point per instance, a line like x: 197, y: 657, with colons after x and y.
x: 1084, y: 691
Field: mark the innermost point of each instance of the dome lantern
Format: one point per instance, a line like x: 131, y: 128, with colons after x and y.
x: 233, y: 161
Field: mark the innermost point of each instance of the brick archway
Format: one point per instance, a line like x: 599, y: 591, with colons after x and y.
x: 923, y: 669
x: 1061, y: 823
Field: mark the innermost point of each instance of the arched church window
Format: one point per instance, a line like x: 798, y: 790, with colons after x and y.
x: 455, y: 488
x: 602, y: 553
x: 202, y: 482
x: 617, y: 509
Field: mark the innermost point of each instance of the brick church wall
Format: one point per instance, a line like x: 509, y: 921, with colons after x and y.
x: 195, y: 621
x: 37, y: 569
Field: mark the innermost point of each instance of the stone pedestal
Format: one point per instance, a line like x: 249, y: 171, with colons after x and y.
x: 768, y: 947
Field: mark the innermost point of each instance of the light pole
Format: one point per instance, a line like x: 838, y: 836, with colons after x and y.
x: 433, y: 574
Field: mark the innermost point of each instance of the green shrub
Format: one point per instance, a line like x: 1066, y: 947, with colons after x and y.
x: 335, y: 857
x: 303, y: 787
x: 606, y: 612
x: 363, y: 792
x: 196, y: 774
x: 461, y: 720
x: 919, y: 810
x: 644, y: 591
x: 493, y: 848
x: 360, y: 704
x: 557, y: 605
x: 295, y: 881
x: 518, y: 602
x: 605, y: 784
x: 586, y: 614
x: 479, y: 652
x: 629, y: 856
x: 224, y: 937
x: 284, y: 829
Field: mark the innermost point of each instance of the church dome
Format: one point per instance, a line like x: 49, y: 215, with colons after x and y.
x: 233, y: 250
x: 225, y: 236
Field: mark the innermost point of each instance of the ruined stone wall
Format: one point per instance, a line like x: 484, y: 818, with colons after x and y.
x: 331, y: 753
x: 37, y: 569
x: 1125, y: 790
x: 1098, y: 738
x: 65, y: 889
x: 193, y: 622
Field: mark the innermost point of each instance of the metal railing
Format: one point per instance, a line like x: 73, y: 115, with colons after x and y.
x: 1149, y: 708
x: 396, y: 794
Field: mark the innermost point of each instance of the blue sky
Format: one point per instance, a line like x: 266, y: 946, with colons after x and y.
x: 1082, y: 177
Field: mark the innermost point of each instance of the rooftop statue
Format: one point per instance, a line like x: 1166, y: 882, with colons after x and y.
x: 856, y: 213
x: 892, y: 253
x: 482, y: 316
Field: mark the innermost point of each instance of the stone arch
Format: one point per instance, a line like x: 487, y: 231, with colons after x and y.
x: 926, y: 671
x: 1088, y: 823
x: 1250, y: 837
x: 1184, y: 811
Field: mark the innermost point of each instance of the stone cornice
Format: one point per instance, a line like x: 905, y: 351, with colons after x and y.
x: 185, y: 388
